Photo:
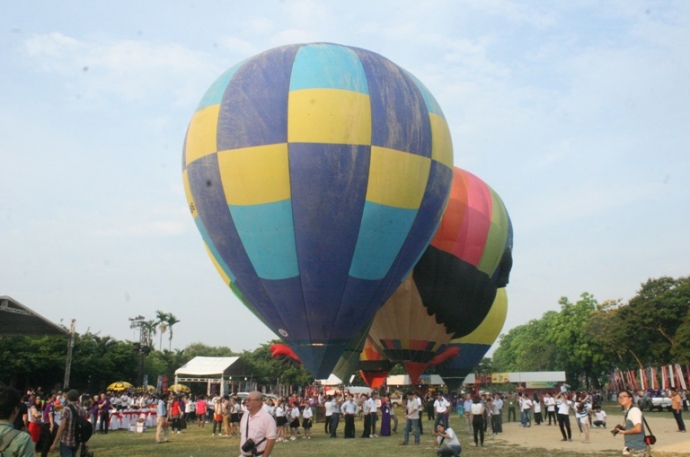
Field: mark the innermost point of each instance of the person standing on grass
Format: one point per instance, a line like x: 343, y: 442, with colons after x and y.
x: 477, y: 417
x: 349, y: 410
x: 525, y: 410
x: 294, y: 421
x: 18, y: 442
x: 537, y: 409
x: 258, y: 426
x: 104, y: 411
x: 563, y: 408
x: 162, y: 426
x: 307, y: 415
x: 366, y: 416
x: 373, y: 408
x: 467, y: 406
x: 201, y: 412
x: 441, y: 409
x: 633, y: 432
x: 412, y: 417
x: 328, y: 405
x: 677, y: 408
x: 335, y: 416
x: 497, y: 415
x: 582, y: 411
x: 550, y: 405
x: 66, y: 435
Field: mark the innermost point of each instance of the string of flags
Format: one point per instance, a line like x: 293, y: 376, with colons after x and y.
x: 665, y: 377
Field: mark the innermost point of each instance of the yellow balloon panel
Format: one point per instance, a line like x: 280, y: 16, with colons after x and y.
x: 491, y: 326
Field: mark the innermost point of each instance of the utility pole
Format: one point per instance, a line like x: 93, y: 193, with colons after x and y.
x: 68, y: 362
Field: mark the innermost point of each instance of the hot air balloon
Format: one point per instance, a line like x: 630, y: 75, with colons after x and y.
x: 452, y: 287
x: 316, y: 174
x: 373, y: 364
x: 473, y: 347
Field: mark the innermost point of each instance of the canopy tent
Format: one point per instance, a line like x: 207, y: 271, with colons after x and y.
x: 18, y: 320
x: 212, y: 370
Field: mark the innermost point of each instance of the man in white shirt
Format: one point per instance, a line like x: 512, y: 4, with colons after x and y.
x: 328, y: 405
x: 349, y: 410
x: 467, y: 406
x: 550, y: 404
x: 447, y: 441
x: 366, y: 414
x: 497, y: 415
x: 374, y: 407
x: 258, y: 426
x: 525, y: 410
x: 600, y: 417
x: 441, y: 408
x: 412, y: 409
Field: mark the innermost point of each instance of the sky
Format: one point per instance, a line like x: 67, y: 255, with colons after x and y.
x: 576, y: 113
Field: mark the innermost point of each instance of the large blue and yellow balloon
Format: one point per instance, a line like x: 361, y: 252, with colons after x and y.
x: 317, y: 174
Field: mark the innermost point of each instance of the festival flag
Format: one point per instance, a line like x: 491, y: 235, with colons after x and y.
x: 679, y: 375
x: 664, y: 386
x: 654, y: 379
x: 671, y: 378
x: 643, y: 379
x: 633, y: 376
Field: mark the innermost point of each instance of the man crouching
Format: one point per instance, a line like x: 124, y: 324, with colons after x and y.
x: 448, y: 442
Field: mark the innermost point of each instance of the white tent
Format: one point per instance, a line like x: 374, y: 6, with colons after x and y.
x: 211, y: 370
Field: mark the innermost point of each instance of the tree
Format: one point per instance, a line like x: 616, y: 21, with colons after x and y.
x: 150, y: 327
x: 171, y: 321
x: 162, y: 319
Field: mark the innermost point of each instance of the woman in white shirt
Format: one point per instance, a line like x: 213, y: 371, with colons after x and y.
x: 582, y: 410
x: 537, y: 409
x: 563, y: 407
x: 281, y: 420
x: 307, y: 415
x: 294, y: 421
x: 477, y: 419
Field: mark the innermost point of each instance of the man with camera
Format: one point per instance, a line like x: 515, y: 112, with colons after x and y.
x: 446, y: 435
x: 632, y: 431
x: 257, y: 428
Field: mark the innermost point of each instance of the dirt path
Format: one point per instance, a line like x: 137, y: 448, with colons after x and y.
x: 549, y: 437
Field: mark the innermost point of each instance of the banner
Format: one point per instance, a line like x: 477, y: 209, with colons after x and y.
x: 498, y: 378
x: 664, y: 386
x: 541, y: 385
x: 633, y: 378
x: 671, y: 378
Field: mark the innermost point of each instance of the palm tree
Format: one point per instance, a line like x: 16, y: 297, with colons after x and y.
x: 162, y: 324
x: 172, y: 320
x: 151, y: 330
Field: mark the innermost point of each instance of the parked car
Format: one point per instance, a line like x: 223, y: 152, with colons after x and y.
x: 397, y: 400
x: 655, y: 403
x: 243, y: 395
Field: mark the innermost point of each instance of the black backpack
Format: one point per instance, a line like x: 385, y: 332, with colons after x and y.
x: 82, y: 427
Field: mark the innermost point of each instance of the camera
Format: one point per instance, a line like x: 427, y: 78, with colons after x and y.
x: 617, y: 429
x: 249, y: 446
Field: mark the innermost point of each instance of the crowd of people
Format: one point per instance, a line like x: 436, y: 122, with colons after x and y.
x: 47, y: 417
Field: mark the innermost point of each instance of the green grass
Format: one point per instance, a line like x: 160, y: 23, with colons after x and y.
x: 196, y: 442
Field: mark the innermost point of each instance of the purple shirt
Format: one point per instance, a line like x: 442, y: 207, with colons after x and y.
x: 47, y: 412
